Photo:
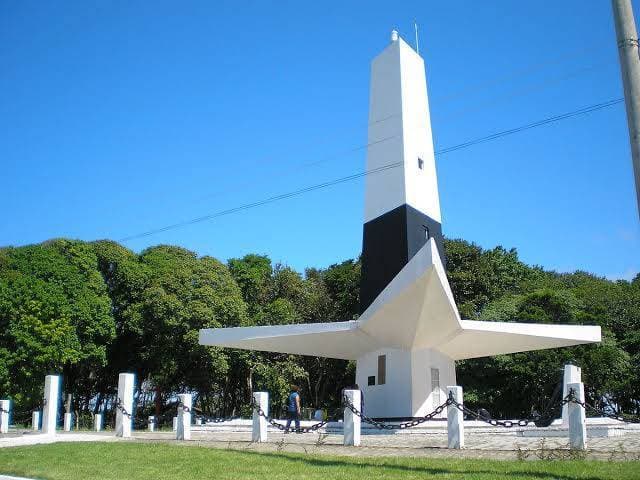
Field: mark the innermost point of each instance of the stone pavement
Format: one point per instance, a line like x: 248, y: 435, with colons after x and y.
x: 478, y: 445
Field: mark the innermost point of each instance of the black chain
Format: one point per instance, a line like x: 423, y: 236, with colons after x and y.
x: 396, y: 426
x: 120, y: 406
x: 620, y: 418
x: 2, y: 410
x: 283, y: 428
x: 184, y: 407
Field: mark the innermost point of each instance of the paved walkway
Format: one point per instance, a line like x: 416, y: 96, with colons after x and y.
x: 478, y: 445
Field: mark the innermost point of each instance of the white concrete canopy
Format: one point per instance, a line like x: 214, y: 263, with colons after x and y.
x: 415, y: 311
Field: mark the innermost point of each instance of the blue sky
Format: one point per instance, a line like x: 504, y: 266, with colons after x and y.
x: 120, y: 117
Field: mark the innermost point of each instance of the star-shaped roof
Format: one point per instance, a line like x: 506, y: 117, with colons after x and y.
x: 415, y: 311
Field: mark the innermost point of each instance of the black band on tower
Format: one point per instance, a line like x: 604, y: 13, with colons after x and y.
x: 389, y: 242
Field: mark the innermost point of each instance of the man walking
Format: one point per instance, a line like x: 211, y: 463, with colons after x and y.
x: 293, y: 408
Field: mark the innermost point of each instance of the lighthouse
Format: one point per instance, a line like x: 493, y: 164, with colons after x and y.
x: 409, y: 334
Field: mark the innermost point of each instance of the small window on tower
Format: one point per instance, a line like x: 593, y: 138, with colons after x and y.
x: 371, y: 380
x: 426, y: 232
x: 420, y: 164
x: 382, y: 369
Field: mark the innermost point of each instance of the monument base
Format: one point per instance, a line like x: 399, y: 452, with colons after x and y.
x: 404, y: 383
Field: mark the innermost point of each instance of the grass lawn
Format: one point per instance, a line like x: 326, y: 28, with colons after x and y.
x: 124, y: 460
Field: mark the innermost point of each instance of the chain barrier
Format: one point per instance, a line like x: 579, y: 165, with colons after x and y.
x: 538, y: 420
x: 599, y: 411
x: 283, y: 428
x: 120, y: 406
x: 396, y: 426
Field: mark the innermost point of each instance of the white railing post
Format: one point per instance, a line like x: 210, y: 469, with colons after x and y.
x: 352, y: 422
x: 455, y: 419
x: 50, y: 409
x: 572, y: 374
x: 259, y: 433
x: 68, y: 421
x: 124, y: 406
x: 35, y: 420
x: 151, y: 425
x: 5, y: 408
x: 175, y: 424
x: 97, y: 422
x: 183, y: 431
x: 577, y: 419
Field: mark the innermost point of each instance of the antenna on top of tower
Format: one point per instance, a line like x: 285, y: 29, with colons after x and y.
x: 415, y: 25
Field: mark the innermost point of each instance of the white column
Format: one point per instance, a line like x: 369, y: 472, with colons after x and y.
x: 151, y: 425
x: 259, y: 434
x: 50, y: 410
x: 35, y: 420
x: 455, y: 419
x: 198, y: 421
x: 97, y: 422
x: 68, y: 421
x: 5, y: 408
x: 183, y: 431
x: 125, y: 399
x: 351, y: 428
x: 175, y: 424
x: 577, y: 419
x: 572, y: 374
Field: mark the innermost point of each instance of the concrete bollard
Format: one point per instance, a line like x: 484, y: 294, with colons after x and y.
x: 259, y: 433
x: 151, y: 425
x: 572, y: 374
x: 68, y: 422
x: 198, y: 421
x: 5, y: 408
x: 35, y: 421
x: 352, y: 422
x: 124, y: 410
x: 175, y: 424
x: 97, y: 422
x: 183, y: 432
x: 455, y: 420
x: 50, y: 410
x: 577, y: 419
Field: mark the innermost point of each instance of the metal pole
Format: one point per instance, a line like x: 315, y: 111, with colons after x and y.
x: 627, y: 38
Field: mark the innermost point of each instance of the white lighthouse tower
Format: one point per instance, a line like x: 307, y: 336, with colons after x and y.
x: 409, y: 333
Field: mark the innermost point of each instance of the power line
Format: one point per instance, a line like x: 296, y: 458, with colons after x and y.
x: 557, y: 118
x: 494, y: 136
x: 263, y: 202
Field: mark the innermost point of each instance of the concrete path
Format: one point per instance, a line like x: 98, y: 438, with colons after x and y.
x: 479, y: 445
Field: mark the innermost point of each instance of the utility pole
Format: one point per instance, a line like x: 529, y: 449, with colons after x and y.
x: 627, y: 38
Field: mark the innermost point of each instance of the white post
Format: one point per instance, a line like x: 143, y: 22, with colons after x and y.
x: 151, y: 426
x: 175, y: 424
x: 577, y: 419
x: 183, y: 431
x: 261, y: 400
x: 351, y: 427
x: 35, y: 420
x: 97, y: 422
x: 198, y: 421
x: 125, y: 400
x: 455, y: 419
x: 572, y: 374
x: 5, y: 408
x: 50, y: 410
x: 68, y: 421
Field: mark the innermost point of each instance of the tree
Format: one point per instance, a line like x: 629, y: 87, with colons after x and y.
x: 56, y: 314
